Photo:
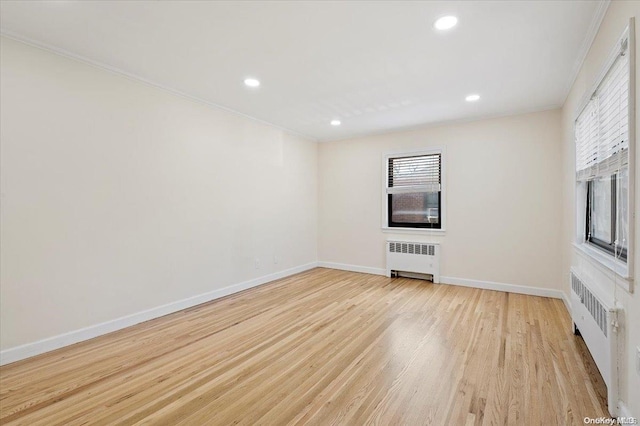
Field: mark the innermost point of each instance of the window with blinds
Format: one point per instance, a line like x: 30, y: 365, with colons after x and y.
x: 602, y: 128
x: 602, y: 158
x: 414, y: 188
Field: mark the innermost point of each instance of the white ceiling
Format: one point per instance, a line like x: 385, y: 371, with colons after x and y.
x: 375, y: 65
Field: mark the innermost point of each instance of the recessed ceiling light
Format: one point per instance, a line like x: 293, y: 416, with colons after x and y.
x: 472, y: 98
x: 251, y: 82
x: 446, y: 22
x: 335, y: 122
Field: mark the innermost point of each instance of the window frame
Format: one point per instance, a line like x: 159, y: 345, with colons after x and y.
x: 386, y: 197
x: 607, y: 247
x: 599, y: 256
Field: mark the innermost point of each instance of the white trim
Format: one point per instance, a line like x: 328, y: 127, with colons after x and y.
x: 586, y: 45
x: 567, y: 302
x: 443, y: 189
x: 420, y: 231
x: 353, y: 268
x: 604, y: 259
x: 605, y: 264
x: 486, y: 285
x: 67, y: 54
x: 395, y: 240
x: 445, y: 122
x: 51, y: 343
x: 509, y: 288
x: 631, y: 223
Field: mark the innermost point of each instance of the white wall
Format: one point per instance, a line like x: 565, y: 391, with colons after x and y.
x: 503, y: 199
x: 119, y: 197
x: 611, y: 29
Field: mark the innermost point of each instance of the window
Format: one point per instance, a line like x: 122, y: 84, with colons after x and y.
x: 605, y: 216
x: 602, y: 160
x: 414, y: 191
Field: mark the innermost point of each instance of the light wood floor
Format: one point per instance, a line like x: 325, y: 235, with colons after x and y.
x: 322, y: 347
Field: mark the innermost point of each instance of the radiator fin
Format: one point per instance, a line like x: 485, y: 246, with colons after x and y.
x: 413, y: 248
x: 591, y: 302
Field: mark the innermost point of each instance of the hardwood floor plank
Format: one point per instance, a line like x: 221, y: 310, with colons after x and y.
x: 322, y: 347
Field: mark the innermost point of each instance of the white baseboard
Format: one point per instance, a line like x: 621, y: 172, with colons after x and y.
x: 567, y: 302
x: 488, y: 285
x: 353, y: 268
x: 45, y: 345
x: 509, y: 288
x: 51, y: 343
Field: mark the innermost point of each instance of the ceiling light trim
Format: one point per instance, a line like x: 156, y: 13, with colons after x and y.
x: 252, y: 82
x: 451, y: 22
x: 134, y: 77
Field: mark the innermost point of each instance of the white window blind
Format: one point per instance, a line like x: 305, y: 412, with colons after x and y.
x: 421, y: 173
x: 602, y: 128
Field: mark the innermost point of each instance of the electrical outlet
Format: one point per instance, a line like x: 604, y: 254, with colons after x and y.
x: 275, y: 259
x: 257, y: 263
x: 638, y: 360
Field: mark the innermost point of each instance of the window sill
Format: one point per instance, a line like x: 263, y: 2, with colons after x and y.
x: 605, y: 262
x: 417, y: 231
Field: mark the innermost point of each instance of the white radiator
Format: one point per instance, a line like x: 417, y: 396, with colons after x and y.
x: 596, y: 322
x: 415, y: 257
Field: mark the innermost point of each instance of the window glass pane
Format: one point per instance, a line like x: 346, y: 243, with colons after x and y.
x: 415, y: 207
x: 623, y: 208
x: 600, y: 199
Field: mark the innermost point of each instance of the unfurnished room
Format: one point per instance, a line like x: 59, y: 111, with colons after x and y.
x: 319, y: 212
